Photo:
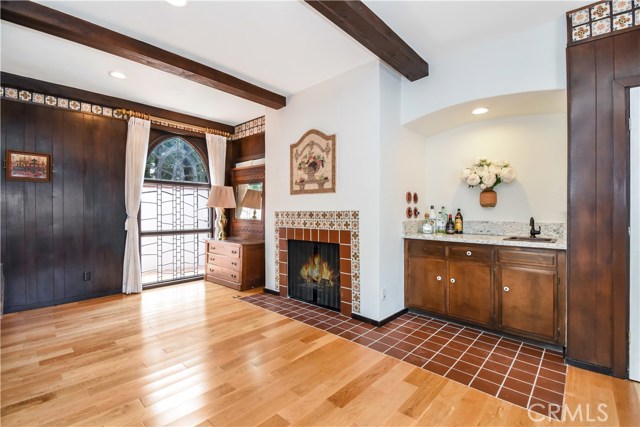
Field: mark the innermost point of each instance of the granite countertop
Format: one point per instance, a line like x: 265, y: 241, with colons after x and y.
x: 486, y: 239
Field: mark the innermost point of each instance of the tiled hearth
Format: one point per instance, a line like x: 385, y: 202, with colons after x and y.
x: 340, y: 227
x: 523, y: 374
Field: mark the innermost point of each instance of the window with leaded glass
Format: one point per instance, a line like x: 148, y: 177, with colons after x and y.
x: 175, y: 219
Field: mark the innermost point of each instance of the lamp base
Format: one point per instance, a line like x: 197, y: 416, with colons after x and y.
x: 221, y: 224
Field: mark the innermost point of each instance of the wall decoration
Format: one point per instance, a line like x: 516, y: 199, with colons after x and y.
x: 488, y: 174
x: 25, y: 166
x: 313, y: 163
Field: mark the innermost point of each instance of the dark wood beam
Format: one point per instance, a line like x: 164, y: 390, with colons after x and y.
x: 20, y: 82
x: 35, y: 16
x: 357, y: 20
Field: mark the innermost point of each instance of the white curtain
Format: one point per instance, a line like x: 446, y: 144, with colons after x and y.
x: 217, y: 152
x: 136, y: 159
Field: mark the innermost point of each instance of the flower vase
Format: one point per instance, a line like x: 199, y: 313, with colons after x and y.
x: 488, y: 198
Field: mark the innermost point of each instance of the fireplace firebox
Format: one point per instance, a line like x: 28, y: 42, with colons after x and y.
x: 314, y: 273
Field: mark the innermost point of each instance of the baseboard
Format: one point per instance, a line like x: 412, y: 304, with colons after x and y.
x: 588, y: 366
x: 62, y: 301
x: 378, y: 322
x: 271, y: 291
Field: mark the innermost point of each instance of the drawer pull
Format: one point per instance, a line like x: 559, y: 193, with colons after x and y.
x: 506, y: 289
x: 438, y: 278
x: 452, y: 280
x: 469, y: 253
x: 234, y: 263
x: 234, y: 276
x: 234, y: 252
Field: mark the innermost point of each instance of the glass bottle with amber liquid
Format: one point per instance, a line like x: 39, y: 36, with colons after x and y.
x: 458, y: 224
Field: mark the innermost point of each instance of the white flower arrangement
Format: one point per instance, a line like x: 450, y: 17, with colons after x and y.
x: 488, y: 174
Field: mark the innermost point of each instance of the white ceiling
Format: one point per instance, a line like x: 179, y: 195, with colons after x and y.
x: 283, y: 46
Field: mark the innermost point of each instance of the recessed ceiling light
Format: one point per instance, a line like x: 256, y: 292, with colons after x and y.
x: 177, y: 3
x: 117, y: 75
x: 480, y: 110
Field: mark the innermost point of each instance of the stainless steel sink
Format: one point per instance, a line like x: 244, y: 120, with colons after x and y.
x: 531, y: 239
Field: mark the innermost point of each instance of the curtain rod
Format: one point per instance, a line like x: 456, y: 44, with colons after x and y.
x: 172, y: 123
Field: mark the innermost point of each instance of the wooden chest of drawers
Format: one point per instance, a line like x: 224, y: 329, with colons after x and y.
x: 236, y: 263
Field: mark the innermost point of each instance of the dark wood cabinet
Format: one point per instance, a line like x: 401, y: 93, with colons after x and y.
x: 531, y: 290
x: 525, y: 297
x: 454, y: 280
x: 527, y: 301
x: 429, y: 276
x: 471, y: 291
x: 236, y: 263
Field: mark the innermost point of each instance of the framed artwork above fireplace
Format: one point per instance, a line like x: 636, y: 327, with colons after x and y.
x: 313, y: 163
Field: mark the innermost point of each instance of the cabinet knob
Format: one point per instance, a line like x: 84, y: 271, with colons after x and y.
x: 506, y: 289
x: 452, y: 280
x: 469, y: 253
x: 438, y: 278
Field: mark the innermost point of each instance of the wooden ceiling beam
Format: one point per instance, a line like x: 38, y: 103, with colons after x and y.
x: 41, y: 18
x: 357, y: 20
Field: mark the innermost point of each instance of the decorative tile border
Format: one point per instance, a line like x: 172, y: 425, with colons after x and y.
x: 58, y: 102
x: 323, y: 220
x: 601, y: 19
x: 252, y: 127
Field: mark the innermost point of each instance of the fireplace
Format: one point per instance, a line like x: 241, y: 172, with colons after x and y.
x: 314, y: 273
x: 338, y: 227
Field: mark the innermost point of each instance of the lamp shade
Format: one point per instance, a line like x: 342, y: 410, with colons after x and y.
x: 221, y: 197
x: 252, y: 199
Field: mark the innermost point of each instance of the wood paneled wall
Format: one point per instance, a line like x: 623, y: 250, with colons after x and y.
x: 53, y: 232
x: 600, y: 73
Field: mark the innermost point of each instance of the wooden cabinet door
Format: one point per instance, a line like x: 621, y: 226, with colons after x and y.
x: 470, y: 291
x: 527, y: 301
x: 427, y: 284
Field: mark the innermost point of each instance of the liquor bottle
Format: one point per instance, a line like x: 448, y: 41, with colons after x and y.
x: 458, y: 225
x: 440, y: 224
x: 450, y: 226
x: 432, y: 219
x: 427, y: 228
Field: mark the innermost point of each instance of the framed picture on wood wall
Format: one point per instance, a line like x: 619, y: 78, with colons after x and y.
x: 26, y: 166
x: 313, y: 163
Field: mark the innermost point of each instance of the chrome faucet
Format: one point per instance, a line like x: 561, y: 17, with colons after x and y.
x: 533, y: 231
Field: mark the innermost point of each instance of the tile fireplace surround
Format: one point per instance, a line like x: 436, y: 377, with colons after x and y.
x: 341, y: 227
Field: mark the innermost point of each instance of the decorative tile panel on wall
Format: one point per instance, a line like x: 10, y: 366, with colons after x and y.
x: 252, y: 127
x: 57, y: 102
x: 602, y: 18
x: 316, y: 221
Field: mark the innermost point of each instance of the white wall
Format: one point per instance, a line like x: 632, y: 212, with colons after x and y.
x: 348, y: 106
x: 402, y: 169
x: 529, y: 61
x: 634, y: 253
x: 536, y: 146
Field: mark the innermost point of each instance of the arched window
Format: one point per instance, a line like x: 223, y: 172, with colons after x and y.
x: 174, y: 159
x: 174, y: 217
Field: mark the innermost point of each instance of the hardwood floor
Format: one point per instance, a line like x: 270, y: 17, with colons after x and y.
x: 194, y: 354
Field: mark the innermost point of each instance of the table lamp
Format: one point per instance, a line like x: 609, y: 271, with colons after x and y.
x: 252, y: 200
x: 221, y: 197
